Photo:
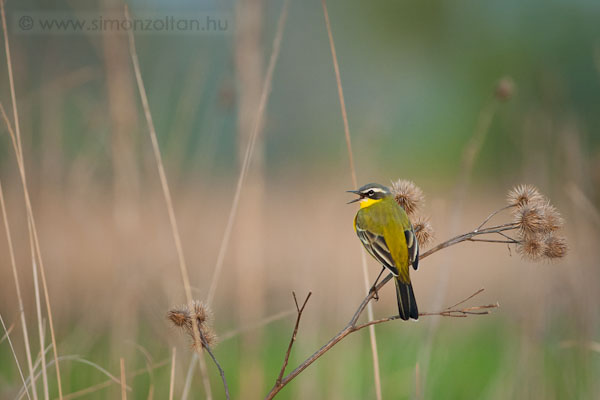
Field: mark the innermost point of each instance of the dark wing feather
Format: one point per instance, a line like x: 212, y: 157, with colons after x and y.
x: 413, y: 248
x: 378, y: 248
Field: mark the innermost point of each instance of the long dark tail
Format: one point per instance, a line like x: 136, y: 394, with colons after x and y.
x: 407, y: 305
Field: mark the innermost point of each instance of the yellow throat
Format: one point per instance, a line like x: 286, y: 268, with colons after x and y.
x: 364, y: 203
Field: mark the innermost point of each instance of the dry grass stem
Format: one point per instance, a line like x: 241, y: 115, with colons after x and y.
x: 590, y: 345
x: 123, y: 379
x: 204, y: 374
x: 109, y: 382
x: 16, y: 137
x: 8, y: 331
x: 172, y: 379
x: 162, y: 175
x: 15, y: 357
x: 38, y: 308
x: 74, y: 358
x: 262, y: 104
x: 581, y: 200
x: 188, y: 377
x: 265, y: 321
x: 13, y: 264
x: 338, y: 79
x: 159, y: 163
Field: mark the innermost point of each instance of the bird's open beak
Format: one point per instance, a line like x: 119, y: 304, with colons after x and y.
x: 355, y: 192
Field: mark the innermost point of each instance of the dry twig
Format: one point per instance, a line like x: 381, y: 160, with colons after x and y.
x: 353, y: 326
x: 206, y: 347
x: 299, y: 310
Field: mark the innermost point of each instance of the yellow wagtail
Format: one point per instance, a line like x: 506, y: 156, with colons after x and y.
x: 386, y: 232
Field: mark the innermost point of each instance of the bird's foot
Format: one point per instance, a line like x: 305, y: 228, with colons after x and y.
x: 375, y: 293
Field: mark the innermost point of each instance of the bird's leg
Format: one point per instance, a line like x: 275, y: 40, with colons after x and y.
x: 374, y: 287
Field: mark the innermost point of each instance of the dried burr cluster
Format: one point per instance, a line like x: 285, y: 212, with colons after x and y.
x: 535, y: 227
x: 411, y: 198
x: 539, y: 223
x: 183, y: 317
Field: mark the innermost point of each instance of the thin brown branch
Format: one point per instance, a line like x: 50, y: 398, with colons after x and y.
x: 485, y: 221
x: 467, y: 299
x: 467, y: 236
x: 293, y: 338
x: 352, y: 327
x: 221, y: 372
x: 511, y: 241
x: 506, y: 236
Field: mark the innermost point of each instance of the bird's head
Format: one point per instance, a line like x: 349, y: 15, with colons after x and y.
x: 370, y: 193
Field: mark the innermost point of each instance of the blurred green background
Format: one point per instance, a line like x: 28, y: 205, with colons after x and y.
x: 419, y: 79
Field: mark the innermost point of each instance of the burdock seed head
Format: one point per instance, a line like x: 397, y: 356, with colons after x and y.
x: 532, y: 248
x: 530, y: 220
x: 555, y: 246
x: 552, y: 219
x: 180, y: 317
x: 423, y: 231
x: 524, y: 194
x: 408, y: 195
x: 198, y: 312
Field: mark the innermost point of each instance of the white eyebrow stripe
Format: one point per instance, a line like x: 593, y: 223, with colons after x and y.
x: 378, y: 190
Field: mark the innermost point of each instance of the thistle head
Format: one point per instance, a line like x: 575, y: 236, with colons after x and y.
x: 537, y: 221
x: 423, y: 231
x: 555, y: 246
x: 408, y: 195
x: 524, y: 194
x: 530, y: 220
x: 532, y: 248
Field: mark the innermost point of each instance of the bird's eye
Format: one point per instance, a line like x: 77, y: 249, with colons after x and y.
x: 370, y: 193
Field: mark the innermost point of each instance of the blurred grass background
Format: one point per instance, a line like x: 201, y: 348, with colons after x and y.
x: 416, y: 77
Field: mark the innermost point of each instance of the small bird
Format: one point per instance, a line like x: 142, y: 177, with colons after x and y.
x: 385, y: 231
